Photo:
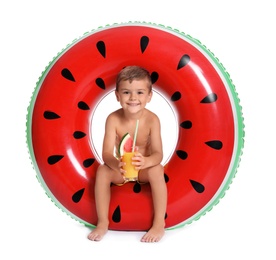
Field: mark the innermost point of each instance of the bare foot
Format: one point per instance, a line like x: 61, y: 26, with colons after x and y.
x: 153, y: 235
x: 98, y: 233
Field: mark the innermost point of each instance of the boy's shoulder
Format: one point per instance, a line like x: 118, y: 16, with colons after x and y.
x: 115, y: 117
x: 115, y: 114
x: 151, y: 115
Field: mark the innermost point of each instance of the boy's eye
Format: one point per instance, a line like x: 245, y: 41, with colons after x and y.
x: 128, y: 92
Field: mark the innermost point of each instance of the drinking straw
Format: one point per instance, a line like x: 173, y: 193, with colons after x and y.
x: 135, y: 135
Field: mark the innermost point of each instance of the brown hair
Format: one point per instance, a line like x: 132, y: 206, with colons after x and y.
x: 131, y: 73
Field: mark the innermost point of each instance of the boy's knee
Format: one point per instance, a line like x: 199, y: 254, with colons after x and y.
x: 102, y: 171
x: 159, y: 169
x: 157, y: 172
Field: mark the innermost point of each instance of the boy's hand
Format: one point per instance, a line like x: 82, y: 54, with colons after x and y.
x: 138, y: 160
x: 121, y: 164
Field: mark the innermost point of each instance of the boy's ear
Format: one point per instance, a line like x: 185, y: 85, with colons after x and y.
x: 150, y: 96
x: 117, y: 95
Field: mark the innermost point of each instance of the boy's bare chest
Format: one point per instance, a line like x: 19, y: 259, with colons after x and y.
x: 143, y: 133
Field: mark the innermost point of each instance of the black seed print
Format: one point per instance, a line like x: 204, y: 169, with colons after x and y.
x: 83, y: 106
x: 175, y: 96
x: 66, y: 73
x: 182, y: 154
x: 137, y: 187
x: 100, y: 83
x: 54, y: 159
x: 101, y: 48
x: 185, y: 59
x: 116, y: 216
x: 210, y: 98
x: 78, y: 195
x: 186, y: 124
x: 88, y: 162
x: 50, y: 115
x: 197, y: 186
x: 166, y: 216
x: 144, y: 41
x: 166, y: 177
x: 79, y: 134
x: 215, y: 144
x: 154, y: 77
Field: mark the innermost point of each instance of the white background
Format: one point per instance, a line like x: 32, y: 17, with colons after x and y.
x: 240, y: 33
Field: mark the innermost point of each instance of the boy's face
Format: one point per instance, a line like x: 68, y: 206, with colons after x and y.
x: 133, y: 96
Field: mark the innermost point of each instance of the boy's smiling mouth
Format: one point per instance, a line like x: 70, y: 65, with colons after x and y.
x: 133, y: 104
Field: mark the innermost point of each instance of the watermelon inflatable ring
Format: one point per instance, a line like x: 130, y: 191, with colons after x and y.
x: 187, y: 75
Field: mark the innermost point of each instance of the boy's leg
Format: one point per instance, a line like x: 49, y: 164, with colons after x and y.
x: 155, y: 176
x: 104, y: 177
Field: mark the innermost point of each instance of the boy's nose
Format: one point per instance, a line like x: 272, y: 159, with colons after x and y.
x: 132, y: 96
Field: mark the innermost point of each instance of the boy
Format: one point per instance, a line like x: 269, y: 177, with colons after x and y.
x: 133, y: 91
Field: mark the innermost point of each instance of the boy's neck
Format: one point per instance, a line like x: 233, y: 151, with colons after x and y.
x: 133, y: 117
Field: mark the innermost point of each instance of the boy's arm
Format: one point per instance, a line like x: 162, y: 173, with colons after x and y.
x: 156, y: 155
x: 109, y: 144
x: 156, y: 144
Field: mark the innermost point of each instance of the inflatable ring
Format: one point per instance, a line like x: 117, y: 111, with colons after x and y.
x: 210, y: 136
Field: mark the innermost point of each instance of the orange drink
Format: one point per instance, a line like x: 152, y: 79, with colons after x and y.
x: 131, y: 174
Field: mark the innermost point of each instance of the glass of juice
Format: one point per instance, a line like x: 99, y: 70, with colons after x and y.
x: 131, y: 174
